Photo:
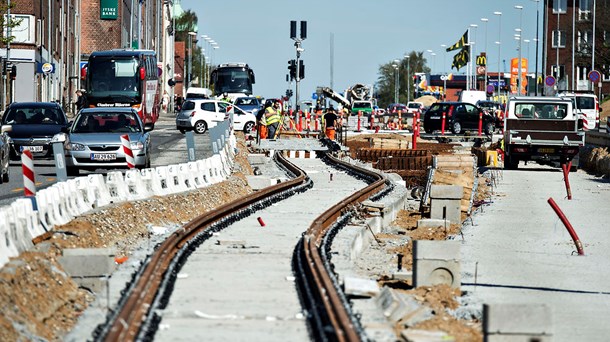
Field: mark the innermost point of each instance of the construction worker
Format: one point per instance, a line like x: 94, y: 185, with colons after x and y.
x: 262, y: 123
x: 330, y: 120
x: 225, y: 98
x: 273, y: 117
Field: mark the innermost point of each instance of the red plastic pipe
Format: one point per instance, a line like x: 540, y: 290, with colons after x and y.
x: 480, y: 123
x: 566, y: 172
x: 359, y: 115
x: 443, y: 125
x: 568, y: 226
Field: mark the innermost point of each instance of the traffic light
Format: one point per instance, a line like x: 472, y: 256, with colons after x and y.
x: 292, y: 68
x: 13, y: 72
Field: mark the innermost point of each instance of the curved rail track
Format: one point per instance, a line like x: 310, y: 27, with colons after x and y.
x: 329, y: 313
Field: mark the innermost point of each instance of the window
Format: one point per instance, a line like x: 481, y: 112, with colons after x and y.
x: 208, y: 106
x: 560, y: 6
x: 584, y: 9
x: 559, y: 40
x: 584, y: 41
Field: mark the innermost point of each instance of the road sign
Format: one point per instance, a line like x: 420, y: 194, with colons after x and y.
x: 594, y: 76
x: 549, y: 81
x: 314, y: 96
x: 490, y: 88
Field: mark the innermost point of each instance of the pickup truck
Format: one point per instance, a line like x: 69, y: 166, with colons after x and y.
x: 541, y: 129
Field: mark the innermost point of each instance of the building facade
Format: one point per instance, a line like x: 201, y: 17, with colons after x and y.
x: 577, y: 42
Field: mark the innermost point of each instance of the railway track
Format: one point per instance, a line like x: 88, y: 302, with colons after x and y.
x: 329, y: 316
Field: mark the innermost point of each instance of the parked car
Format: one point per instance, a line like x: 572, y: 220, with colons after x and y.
x: 393, y: 108
x: 5, y: 151
x: 94, y: 140
x: 200, y: 115
x: 33, y: 126
x: 413, y: 107
x: 248, y: 103
x: 459, y: 117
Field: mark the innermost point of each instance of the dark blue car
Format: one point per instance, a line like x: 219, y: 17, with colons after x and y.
x: 33, y: 126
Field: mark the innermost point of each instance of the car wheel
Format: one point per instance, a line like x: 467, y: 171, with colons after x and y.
x: 200, y: 127
x: 456, y: 128
x: 489, y: 128
x: 248, y: 127
x: 73, y: 171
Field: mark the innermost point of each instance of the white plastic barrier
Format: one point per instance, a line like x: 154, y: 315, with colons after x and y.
x: 63, y: 202
x: 27, y: 217
x: 189, y: 176
x: 161, y: 177
x: 117, y: 188
x: 79, y: 196
x: 86, y: 193
x: 215, y: 166
x: 49, y: 211
x: 71, y: 198
x: 138, y: 187
x: 8, y: 248
x: 204, y: 172
x: 176, y: 179
x: 18, y: 232
x: 100, y: 192
x: 197, y: 176
x: 155, y: 183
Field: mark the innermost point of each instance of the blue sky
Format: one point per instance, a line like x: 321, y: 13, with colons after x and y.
x: 367, y: 34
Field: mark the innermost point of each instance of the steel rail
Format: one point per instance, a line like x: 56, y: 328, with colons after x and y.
x: 336, y: 321
x: 126, y: 323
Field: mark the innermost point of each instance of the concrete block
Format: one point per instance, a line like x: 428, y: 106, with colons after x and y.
x: 260, y: 182
x: 417, y: 335
x: 446, y: 191
x: 400, y: 307
x: 449, y: 209
x: 93, y: 284
x: 257, y: 158
x: 436, y: 262
x: 88, y: 262
x: 517, y: 322
x: 432, y: 223
x: 403, y: 275
x: 360, y: 287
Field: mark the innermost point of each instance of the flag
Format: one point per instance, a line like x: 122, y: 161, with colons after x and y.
x: 460, y: 43
x: 461, y: 58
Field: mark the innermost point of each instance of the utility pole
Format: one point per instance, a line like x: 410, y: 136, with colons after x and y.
x: 300, y: 68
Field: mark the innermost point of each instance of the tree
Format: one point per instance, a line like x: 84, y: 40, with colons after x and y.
x: 384, y: 88
x: 6, y: 24
x: 185, y: 23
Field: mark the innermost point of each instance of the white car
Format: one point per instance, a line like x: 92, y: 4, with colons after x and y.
x: 199, y: 115
x: 412, y: 107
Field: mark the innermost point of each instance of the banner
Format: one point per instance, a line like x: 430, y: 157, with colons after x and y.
x: 514, y: 74
x: 460, y: 43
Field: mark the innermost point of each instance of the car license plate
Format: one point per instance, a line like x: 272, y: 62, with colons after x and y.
x: 103, y: 156
x: 32, y: 148
x: 546, y: 150
x: 435, y: 117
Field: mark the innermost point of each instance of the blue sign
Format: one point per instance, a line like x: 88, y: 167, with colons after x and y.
x: 45, y: 68
x: 549, y: 81
x: 594, y: 76
x: 314, y: 96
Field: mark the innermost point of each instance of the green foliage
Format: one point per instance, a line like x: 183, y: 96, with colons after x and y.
x: 4, y: 24
x: 186, y: 23
x: 387, y: 76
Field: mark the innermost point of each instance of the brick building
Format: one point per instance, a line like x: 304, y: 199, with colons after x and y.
x: 570, y: 51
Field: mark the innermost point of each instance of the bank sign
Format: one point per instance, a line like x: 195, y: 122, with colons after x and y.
x: 109, y: 9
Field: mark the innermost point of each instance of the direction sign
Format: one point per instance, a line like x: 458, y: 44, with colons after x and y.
x: 594, y: 76
x: 549, y: 81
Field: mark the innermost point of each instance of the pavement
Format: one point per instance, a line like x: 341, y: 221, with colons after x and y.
x: 516, y: 250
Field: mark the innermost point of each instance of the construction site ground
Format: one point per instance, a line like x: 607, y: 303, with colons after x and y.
x: 40, y: 301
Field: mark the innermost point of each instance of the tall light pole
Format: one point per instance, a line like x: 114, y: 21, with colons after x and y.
x: 473, y: 52
x: 190, y: 59
x: 520, y: 64
x: 499, y: 42
x: 396, y: 84
x: 444, y: 47
x: 485, y: 20
x: 408, y: 78
x: 536, y: 40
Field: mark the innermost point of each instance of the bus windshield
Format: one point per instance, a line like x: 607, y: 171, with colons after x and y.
x: 233, y: 80
x: 111, y: 77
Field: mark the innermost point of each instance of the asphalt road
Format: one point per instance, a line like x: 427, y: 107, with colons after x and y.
x: 168, y: 147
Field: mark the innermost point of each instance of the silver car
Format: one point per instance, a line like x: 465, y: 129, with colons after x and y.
x: 5, y: 150
x: 94, y: 140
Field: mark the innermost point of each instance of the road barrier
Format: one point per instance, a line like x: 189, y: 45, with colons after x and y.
x: 131, y: 163
x: 27, y: 219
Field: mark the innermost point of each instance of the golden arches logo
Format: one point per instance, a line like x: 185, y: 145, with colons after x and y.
x: 481, y: 60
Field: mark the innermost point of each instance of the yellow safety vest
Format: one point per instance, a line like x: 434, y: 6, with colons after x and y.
x: 274, y: 117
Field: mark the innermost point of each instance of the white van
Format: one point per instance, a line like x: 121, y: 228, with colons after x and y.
x: 472, y: 96
x: 198, y: 93
x: 587, y: 107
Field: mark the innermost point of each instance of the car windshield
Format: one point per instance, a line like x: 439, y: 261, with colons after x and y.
x: 35, y: 116
x: 414, y: 105
x: 541, y: 111
x: 106, y: 122
x: 246, y: 101
x: 585, y: 102
x: 361, y: 105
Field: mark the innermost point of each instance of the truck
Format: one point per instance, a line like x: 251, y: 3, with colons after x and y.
x: 357, y: 99
x: 541, y: 129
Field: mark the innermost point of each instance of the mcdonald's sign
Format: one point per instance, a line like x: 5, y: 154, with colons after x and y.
x: 482, y: 59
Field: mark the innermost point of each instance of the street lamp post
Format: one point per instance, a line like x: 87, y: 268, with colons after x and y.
x: 499, y: 42
x: 190, y: 59
x: 520, y: 63
x: 473, y: 52
x: 536, y: 40
x: 444, y: 47
x: 396, y: 83
x: 485, y: 20
x: 408, y: 79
